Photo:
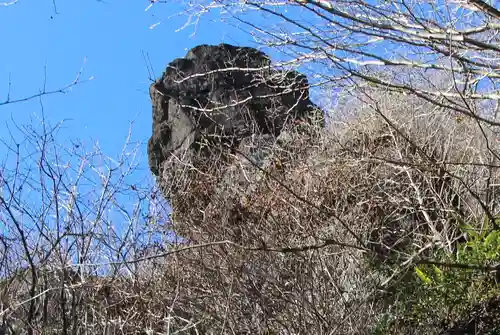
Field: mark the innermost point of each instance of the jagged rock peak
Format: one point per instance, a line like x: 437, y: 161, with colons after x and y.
x: 222, y: 94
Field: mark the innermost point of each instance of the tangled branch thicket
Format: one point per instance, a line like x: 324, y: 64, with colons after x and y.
x: 318, y: 237
x: 370, y: 191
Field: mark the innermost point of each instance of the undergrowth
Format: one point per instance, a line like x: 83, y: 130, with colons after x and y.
x: 449, y: 288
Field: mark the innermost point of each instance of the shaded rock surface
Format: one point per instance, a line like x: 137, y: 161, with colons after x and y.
x: 222, y: 94
x: 484, y: 318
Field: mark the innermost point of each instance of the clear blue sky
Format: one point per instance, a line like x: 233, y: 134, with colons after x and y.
x: 112, y: 36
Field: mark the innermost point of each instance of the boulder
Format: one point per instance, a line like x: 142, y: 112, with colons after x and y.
x: 222, y: 94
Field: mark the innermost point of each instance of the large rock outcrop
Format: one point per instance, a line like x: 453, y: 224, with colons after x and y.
x: 222, y: 94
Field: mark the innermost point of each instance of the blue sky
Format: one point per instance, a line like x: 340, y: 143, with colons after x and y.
x: 109, y: 40
x: 111, y: 37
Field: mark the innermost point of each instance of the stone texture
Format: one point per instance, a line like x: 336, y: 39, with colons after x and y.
x: 222, y: 94
x: 484, y: 318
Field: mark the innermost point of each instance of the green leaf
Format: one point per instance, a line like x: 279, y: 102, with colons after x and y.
x: 439, y: 273
x: 491, y: 240
x: 486, y: 224
x: 423, y: 276
x: 468, y: 229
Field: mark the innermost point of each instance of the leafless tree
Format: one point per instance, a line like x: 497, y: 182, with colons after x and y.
x: 70, y: 216
x: 44, y: 91
x: 397, y: 45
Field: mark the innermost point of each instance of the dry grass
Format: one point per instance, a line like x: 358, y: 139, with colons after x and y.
x: 395, y: 186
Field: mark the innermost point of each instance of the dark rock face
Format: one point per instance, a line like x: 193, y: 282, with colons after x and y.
x: 484, y: 318
x: 223, y: 94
